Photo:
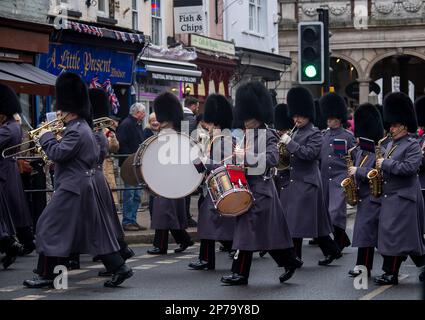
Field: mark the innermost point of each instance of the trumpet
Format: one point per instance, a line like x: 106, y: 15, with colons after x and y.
x: 56, y: 126
x: 102, y: 123
x: 284, y: 155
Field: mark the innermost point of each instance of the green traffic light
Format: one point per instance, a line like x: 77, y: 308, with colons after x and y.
x: 310, y: 71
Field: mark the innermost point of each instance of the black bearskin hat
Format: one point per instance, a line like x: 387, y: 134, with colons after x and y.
x: 368, y: 123
x: 420, y: 110
x: 332, y: 105
x: 218, y: 110
x: 300, y: 102
x: 398, y: 108
x: 9, y: 101
x: 253, y: 101
x: 319, y: 121
x: 281, y: 119
x: 72, y: 95
x: 100, y: 104
x: 168, y: 109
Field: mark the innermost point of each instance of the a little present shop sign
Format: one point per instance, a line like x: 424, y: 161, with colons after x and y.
x: 89, y: 62
x: 188, y: 16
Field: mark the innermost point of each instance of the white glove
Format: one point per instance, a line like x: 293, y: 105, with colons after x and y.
x: 379, y: 162
x: 352, y: 171
x: 285, y: 139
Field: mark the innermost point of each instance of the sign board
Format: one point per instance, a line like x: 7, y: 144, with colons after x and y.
x: 210, y: 44
x: 189, y: 16
x: 89, y: 62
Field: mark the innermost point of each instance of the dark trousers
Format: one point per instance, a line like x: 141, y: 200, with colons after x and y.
x: 6, y: 244
x: 326, y: 244
x: 207, y: 252
x: 46, y: 265
x: 188, y: 215
x: 227, y: 245
x: 341, y: 238
x: 151, y: 205
x: 392, y: 264
x: 161, y: 238
x: 25, y: 236
x: 365, y: 257
x: 283, y: 257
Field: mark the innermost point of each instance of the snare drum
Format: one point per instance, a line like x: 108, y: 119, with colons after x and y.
x: 229, y: 190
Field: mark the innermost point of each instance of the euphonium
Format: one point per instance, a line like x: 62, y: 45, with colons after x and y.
x: 284, y: 155
x: 375, y: 175
x: 349, y: 183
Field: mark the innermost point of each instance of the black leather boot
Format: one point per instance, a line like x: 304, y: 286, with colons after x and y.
x: 38, y: 282
x: 11, y: 253
x: 201, y: 265
x: 122, y: 274
x: 387, y: 279
x: 234, y: 280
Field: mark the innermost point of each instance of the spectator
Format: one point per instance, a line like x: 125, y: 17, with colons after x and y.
x: 190, y: 111
x: 130, y: 135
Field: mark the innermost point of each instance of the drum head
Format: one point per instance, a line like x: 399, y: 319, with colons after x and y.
x: 127, y: 172
x: 168, y: 165
x: 235, y: 203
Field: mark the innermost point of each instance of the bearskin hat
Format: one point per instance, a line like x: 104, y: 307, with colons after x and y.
x: 300, y: 102
x: 168, y: 109
x: 398, y: 108
x: 319, y: 121
x: 420, y: 110
x: 368, y: 123
x: 281, y: 119
x: 332, y: 105
x: 253, y: 101
x: 100, y: 104
x: 72, y: 95
x: 9, y: 101
x: 218, y: 110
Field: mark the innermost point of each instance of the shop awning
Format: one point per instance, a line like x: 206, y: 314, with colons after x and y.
x: 26, y: 78
x: 169, y: 70
x: 267, y: 65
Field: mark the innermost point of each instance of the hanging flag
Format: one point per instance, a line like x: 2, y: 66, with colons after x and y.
x: 112, y: 97
x: 94, y: 83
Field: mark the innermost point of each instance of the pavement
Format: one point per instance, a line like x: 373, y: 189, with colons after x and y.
x: 167, y: 277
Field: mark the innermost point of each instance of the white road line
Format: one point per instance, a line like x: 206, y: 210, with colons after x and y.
x: 96, y: 266
x: 167, y: 261
x: 189, y: 256
x: 381, y: 289
x: 10, y: 288
x: 145, y: 267
x: 170, y: 251
x: 75, y: 272
x: 147, y: 256
x: 131, y: 260
x: 30, y: 297
x: 91, y: 280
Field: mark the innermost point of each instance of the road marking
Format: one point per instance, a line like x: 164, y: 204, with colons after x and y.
x: 188, y: 256
x: 10, y: 288
x: 60, y: 290
x: 170, y: 251
x: 96, y: 266
x: 167, y: 261
x: 381, y: 289
x: 30, y: 297
x: 91, y: 280
x: 75, y: 272
x: 145, y: 267
x: 131, y: 260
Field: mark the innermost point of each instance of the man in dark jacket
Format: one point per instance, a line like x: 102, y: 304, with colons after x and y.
x: 130, y: 134
x: 190, y: 111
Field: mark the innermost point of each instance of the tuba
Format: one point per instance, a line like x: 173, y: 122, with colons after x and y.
x: 349, y: 183
x: 284, y: 155
x: 375, y: 175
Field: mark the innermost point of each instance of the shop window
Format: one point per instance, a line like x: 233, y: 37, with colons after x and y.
x: 211, y: 87
x: 221, y: 89
x: 156, y: 22
x: 102, y: 7
x: 201, y: 88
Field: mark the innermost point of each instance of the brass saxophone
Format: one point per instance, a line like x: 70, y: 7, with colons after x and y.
x: 284, y: 155
x: 375, y: 175
x: 349, y: 183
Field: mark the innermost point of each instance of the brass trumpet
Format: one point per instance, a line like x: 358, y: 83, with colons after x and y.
x: 102, y: 123
x: 284, y: 155
x: 56, y: 126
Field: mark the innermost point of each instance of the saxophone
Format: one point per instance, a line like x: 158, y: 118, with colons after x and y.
x: 349, y: 183
x: 375, y: 175
x: 284, y: 155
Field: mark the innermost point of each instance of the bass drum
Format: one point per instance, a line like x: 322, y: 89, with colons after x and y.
x: 170, y: 164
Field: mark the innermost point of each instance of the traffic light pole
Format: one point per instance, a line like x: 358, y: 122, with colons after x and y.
x: 324, y: 17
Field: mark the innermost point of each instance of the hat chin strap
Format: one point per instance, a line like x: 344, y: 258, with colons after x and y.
x: 393, y: 135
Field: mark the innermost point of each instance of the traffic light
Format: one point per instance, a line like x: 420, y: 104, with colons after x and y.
x: 311, y: 52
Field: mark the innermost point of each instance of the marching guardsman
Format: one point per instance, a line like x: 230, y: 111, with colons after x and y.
x: 263, y: 227
x: 10, y: 134
x: 420, y: 114
x: 401, y: 222
x: 333, y: 166
x: 212, y: 226
x: 9, y: 172
x: 101, y: 108
x: 74, y: 220
x: 283, y: 124
x: 306, y: 211
x: 368, y: 124
x: 169, y: 214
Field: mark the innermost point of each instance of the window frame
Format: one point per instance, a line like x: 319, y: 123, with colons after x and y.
x: 157, y: 19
